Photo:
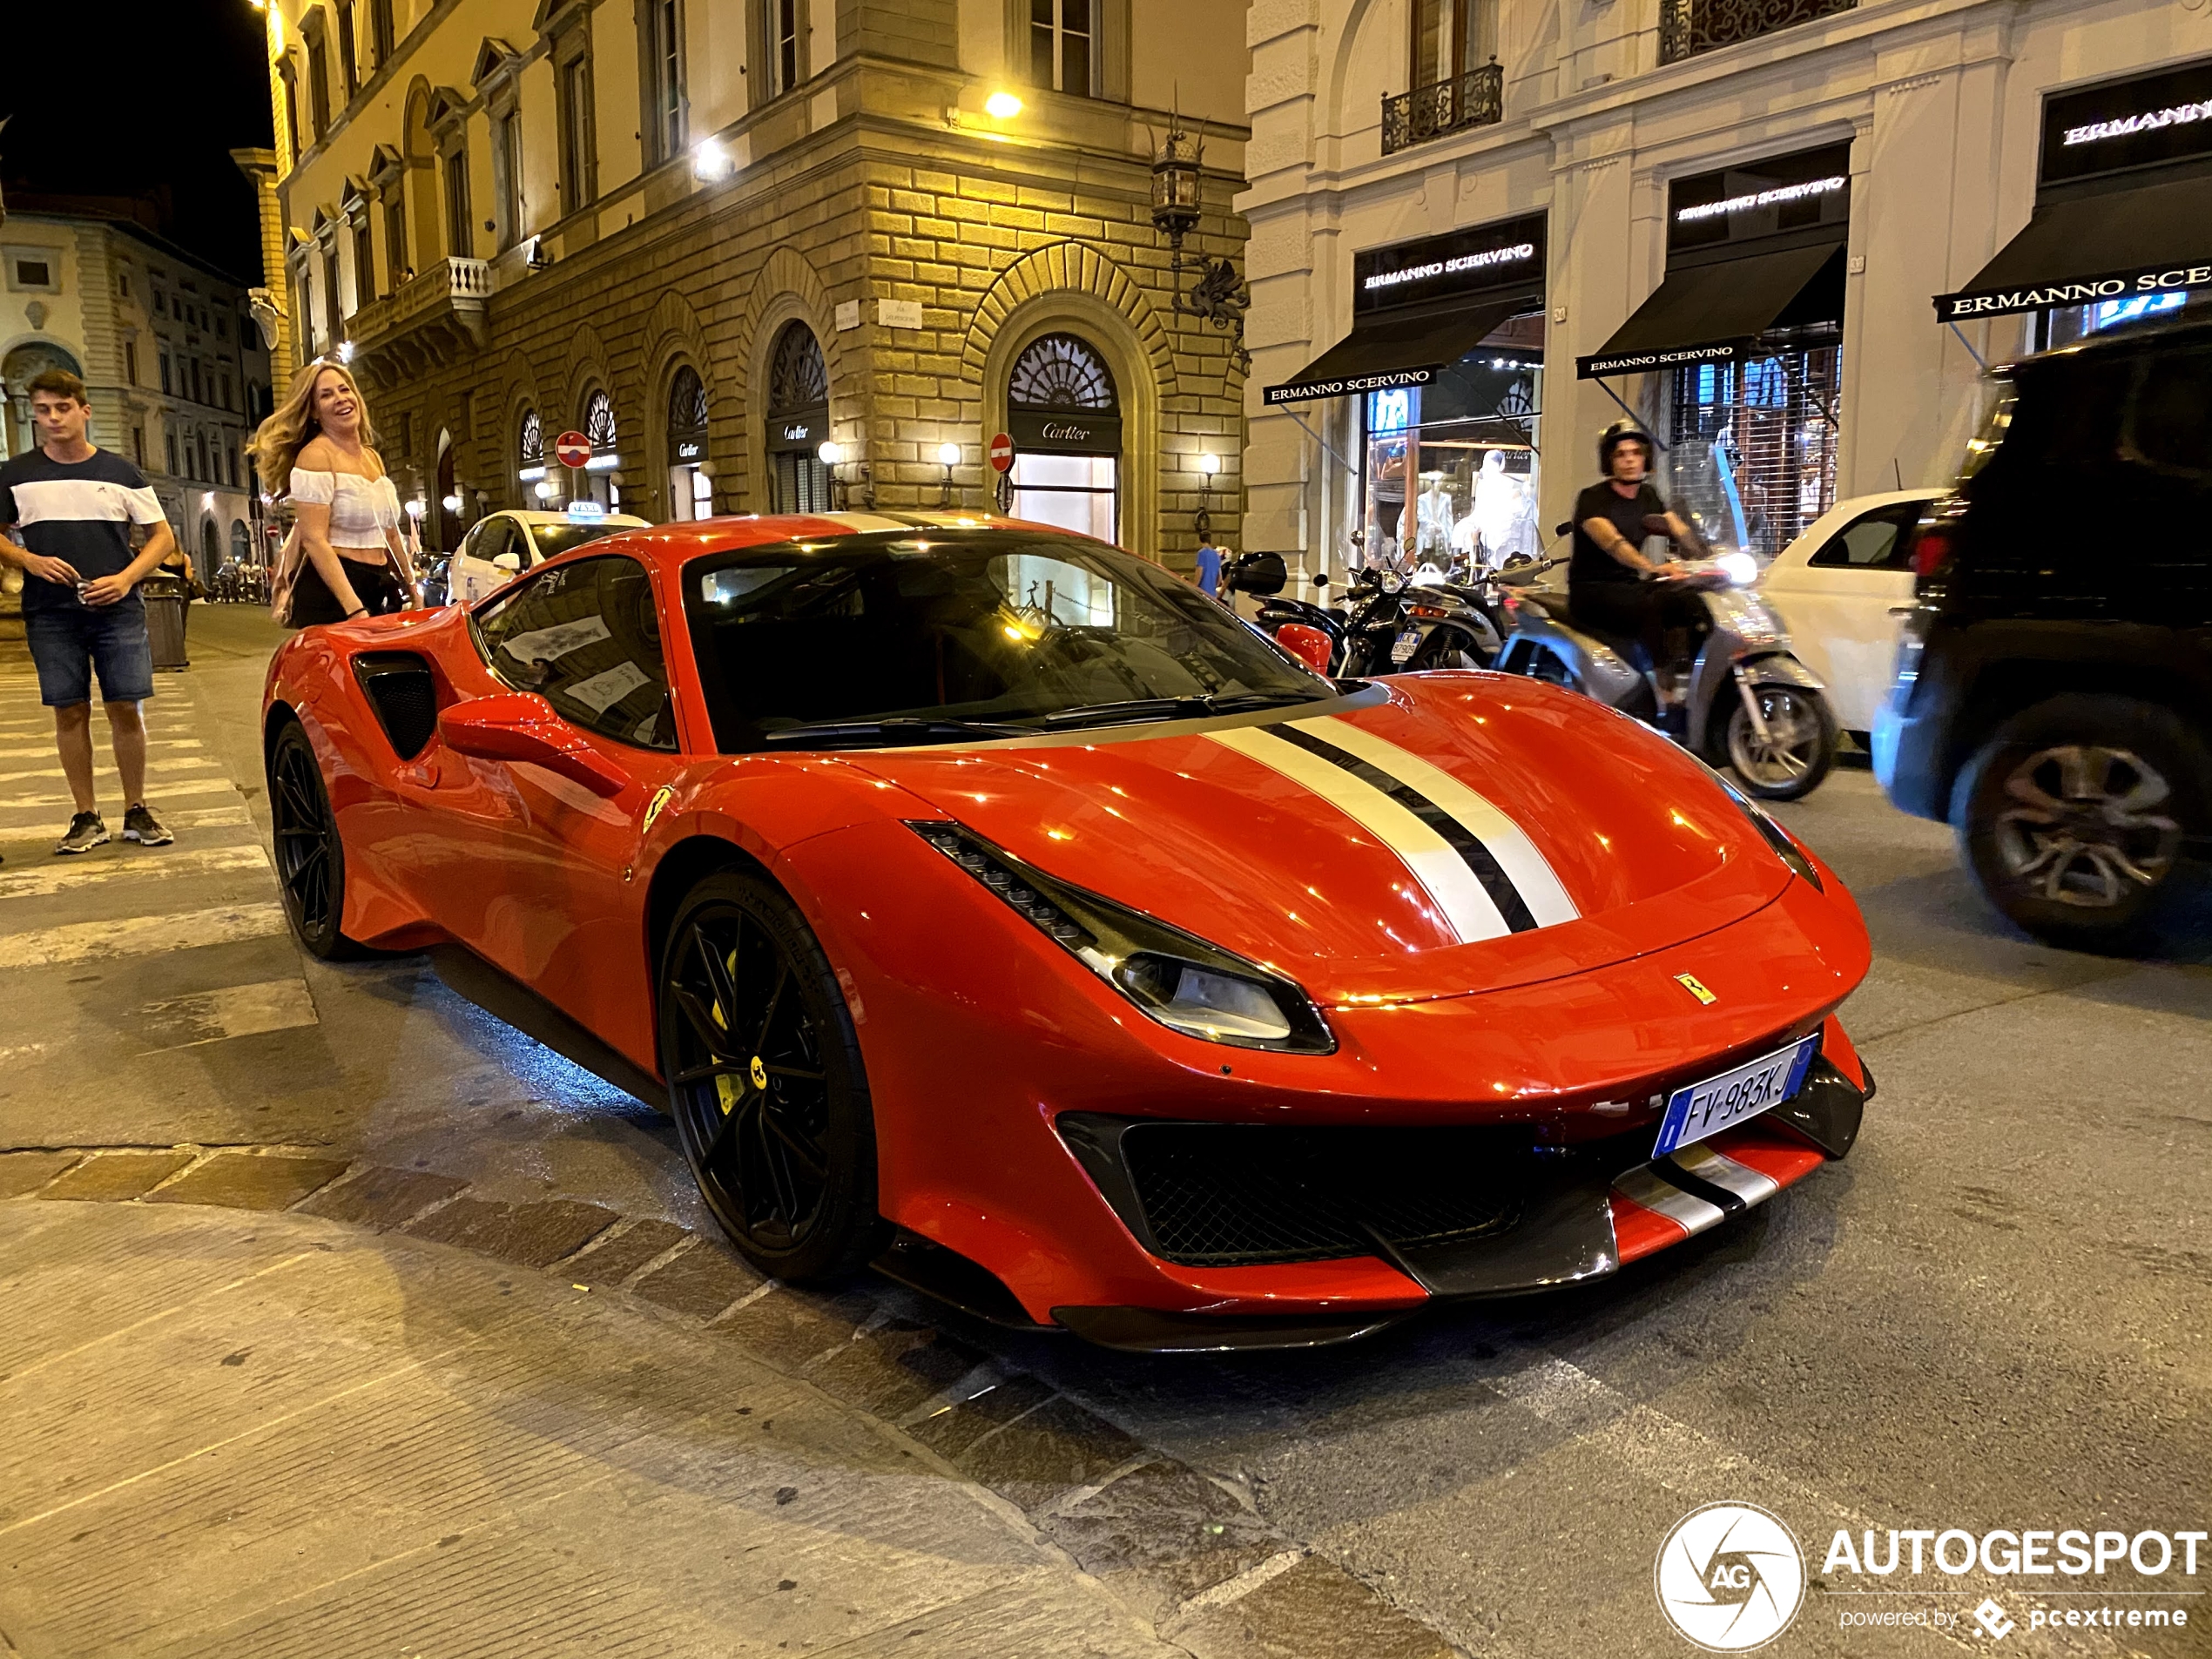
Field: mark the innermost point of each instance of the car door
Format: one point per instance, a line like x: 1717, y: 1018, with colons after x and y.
x: 486, y: 560
x: 1837, y: 604
x: 585, y: 635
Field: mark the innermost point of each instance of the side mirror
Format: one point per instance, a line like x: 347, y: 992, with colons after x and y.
x: 1259, y: 573
x: 1310, y: 645
x: 1322, y: 580
x: 521, y: 725
x: 1563, y: 530
x: 509, y: 563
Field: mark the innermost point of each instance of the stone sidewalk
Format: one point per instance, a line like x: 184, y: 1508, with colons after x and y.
x: 263, y: 1402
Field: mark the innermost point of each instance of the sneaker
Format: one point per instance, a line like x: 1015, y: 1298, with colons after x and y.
x: 85, y: 833
x: 142, y: 826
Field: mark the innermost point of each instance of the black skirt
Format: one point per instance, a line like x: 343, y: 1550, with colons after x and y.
x: 313, y: 603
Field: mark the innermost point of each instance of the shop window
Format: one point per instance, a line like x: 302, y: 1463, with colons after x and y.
x: 691, y: 492
x: 1451, y: 472
x: 529, y: 458
x: 1065, y: 416
x: 586, y: 636
x: 797, y: 422
x: 1751, y: 447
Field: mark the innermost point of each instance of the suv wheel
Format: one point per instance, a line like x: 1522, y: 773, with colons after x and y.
x: 2073, y: 814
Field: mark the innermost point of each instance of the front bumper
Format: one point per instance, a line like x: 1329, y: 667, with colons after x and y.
x: 1548, y: 1217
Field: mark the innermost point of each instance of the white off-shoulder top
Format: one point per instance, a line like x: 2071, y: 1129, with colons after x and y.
x: 362, y: 509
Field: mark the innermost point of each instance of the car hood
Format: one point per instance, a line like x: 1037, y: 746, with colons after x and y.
x: 1437, y: 835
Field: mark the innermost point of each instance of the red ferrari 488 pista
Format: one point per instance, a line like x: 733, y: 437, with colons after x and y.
x: 998, y: 909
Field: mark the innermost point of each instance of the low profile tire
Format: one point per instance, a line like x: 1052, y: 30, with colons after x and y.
x: 2071, y: 817
x: 310, y: 852
x: 1799, y: 750
x: 766, y: 1082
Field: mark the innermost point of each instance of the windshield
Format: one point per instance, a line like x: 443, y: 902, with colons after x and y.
x: 552, y: 540
x: 1008, y: 632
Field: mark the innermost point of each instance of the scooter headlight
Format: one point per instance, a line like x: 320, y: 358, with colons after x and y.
x: 1741, y: 568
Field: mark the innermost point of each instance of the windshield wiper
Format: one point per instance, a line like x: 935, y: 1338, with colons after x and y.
x: 830, y: 734
x: 1173, y: 708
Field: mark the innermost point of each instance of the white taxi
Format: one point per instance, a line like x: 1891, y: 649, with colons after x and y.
x: 500, y: 546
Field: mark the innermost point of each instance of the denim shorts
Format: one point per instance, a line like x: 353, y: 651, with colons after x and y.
x: 71, y: 643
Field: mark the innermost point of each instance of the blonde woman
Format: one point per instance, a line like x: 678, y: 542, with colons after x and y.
x: 319, y: 449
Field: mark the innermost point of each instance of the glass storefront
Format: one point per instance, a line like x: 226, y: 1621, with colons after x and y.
x: 1064, y: 416
x: 691, y: 492
x: 1451, y: 474
x: 1751, y: 446
x: 798, y: 480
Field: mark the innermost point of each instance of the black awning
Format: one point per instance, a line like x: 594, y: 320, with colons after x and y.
x: 2102, y: 244
x: 1712, y: 311
x: 1387, y: 349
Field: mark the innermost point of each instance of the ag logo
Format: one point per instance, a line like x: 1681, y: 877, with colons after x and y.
x: 1730, y: 1578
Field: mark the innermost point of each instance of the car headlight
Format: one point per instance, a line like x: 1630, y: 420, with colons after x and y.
x: 1174, y: 977
x: 1775, y: 836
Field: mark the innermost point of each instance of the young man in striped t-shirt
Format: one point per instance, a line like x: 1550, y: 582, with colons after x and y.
x: 71, y: 506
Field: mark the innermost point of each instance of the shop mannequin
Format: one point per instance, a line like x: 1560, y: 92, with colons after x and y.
x: 1503, y: 511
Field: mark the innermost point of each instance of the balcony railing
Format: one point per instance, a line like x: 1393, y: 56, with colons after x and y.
x: 434, y: 317
x: 1474, y: 99
x: 1689, y: 27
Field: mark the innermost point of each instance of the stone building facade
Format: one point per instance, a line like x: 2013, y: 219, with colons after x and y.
x: 660, y: 225
x: 1735, y: 218
x: 175, y: 368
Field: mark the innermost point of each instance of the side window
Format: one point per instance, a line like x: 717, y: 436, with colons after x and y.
x: 2172, y: 420
x: 499, y: 538
x: 1880, y: 541
x: 586, y: 636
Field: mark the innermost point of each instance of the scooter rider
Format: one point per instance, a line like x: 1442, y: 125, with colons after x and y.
x: 1611, y: 586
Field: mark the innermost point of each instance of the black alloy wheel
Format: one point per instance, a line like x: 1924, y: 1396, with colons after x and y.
x: 310, y: 854
x: 2074, y: 814
x: 766, y: 1082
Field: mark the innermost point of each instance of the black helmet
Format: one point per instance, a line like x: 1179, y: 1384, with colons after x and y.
x: 1619, y: 433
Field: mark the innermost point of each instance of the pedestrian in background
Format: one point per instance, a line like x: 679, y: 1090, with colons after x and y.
x: 72, y: 505
x: 345, y: 558
x: 1209, y: 568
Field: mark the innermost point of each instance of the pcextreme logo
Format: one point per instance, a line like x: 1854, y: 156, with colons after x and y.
x: 1730, y: 1578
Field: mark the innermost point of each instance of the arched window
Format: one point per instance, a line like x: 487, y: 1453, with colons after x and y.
x: 797, y: 422
x: 1065, y: 419
x: 599, y: 421
x: 1061, y: 372
x: 530, y: 444
x: 798, y: 378
x: 691, y: 492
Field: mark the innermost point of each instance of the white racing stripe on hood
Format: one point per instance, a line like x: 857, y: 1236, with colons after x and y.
x: 1441, y: 870
x: 1539, y: 889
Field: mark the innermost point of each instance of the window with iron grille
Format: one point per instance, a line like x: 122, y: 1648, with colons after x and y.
x: 798, y: 378
x: 1061, y: 44
x: 1688, y: 27
x: 530, y: 444
x: 1061, y: 372
x: 599, y: 421
x: 1751, y: 447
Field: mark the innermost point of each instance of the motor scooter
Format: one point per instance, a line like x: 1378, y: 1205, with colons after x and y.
x: 1750, y: 704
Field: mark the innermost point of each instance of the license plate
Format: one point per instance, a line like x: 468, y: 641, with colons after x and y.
x: 1735, y: 1096
x: 1406, y: 645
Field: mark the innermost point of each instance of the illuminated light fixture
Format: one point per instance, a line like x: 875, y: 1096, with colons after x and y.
x: 531, y: 474
x: 344, y: 351
x: 1202, y: 521
x: 603, y: 463
x: 451, y: 504
x: 207, y: 498
x: 1216, y: 294
x: 545, y: 491
x: 414, y: 508
x: 831, y: 452
x: 710, y: 161
x: 1209, y: 463
x: 1001, y: 106
x: 947, y: 457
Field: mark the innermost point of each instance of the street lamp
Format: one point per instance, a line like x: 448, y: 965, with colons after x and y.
x: 947, y: 457
x: 834, y: 455
x: 1001, y: 106
x: 1209, y: 468
x: 545, y: 490
x: 1216, y: 294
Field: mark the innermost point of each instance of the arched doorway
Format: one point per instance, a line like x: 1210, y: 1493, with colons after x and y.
x: 1064, y: 416
x: 210, y: 549
x: 598, y: 426
x: 691, y: 492
x: 23, y: 365
x: 797, y: 422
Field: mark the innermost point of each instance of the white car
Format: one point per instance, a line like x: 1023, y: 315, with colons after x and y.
x: 1838, y: 587
x: 500, y: 547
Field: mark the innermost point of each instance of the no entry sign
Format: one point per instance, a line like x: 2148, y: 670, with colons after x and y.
x: 1001, y: 453
x: 572, y: 448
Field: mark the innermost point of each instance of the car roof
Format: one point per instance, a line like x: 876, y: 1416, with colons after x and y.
x: 1822, y: 530
x: 531, y: 516
x: 2127, y: 339
x: 679, y: 542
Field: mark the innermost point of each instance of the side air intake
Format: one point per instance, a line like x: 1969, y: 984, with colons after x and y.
x: 405, y: 698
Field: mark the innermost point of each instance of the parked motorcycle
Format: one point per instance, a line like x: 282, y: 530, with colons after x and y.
x: 1751, y: 704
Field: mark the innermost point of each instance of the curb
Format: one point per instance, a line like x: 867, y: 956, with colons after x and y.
x: 1183, y: 1551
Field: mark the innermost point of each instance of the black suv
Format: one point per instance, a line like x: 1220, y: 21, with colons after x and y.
x: 2053, y: 693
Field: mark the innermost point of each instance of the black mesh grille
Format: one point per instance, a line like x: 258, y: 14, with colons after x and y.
x: 404, y: 697
x: 1216, y: 1194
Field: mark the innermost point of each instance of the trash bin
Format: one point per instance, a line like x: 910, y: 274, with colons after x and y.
x: 165, y: 597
